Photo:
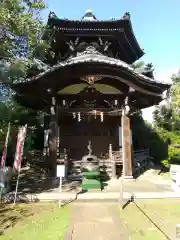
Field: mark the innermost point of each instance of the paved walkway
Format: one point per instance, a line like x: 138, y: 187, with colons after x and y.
x: 97, y: 221
x: 147, y: 182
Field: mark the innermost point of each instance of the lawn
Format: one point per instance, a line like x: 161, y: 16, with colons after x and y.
x: 33, y: 221
x: 165, y: 214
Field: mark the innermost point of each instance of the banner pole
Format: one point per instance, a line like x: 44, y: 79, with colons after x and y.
x: 17, y: 183
x: 20, y: 154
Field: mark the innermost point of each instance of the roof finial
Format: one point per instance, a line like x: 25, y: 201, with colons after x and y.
x: 89, y: 16
x: 89, y: 11
x: 52, y: 15
x: 126, y: 16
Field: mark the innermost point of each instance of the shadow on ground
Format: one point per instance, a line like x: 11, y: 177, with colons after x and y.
x: 10, y: 215
x: 33, y: 181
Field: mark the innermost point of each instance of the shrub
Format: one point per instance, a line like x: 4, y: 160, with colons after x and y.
x: 173, y: 155
x: 165, y: 163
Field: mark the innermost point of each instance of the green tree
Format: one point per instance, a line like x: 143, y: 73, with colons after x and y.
x: 175, y: 95
x: 163, y: 116
x: 138, y: 64
x: 20, y: 33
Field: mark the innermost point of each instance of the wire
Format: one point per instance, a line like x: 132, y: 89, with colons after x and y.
x: 145, y: 214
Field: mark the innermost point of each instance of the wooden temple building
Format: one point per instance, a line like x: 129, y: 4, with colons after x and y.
x: 88, y: 89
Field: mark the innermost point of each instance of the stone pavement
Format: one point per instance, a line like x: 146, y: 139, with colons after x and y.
x: 147, y: 182
x: 97, y: 221
x: 148, y: 185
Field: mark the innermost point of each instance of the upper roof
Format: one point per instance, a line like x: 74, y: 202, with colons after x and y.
x: 120, y: 29
x: 143, y: 90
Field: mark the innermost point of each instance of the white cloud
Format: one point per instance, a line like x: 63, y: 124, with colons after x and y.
x: 163, y: 75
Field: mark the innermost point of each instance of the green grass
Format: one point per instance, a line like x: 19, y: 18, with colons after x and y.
x: 34, y: 221
x: 164, y: 213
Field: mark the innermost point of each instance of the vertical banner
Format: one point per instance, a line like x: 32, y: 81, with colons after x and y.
x: 19, y: 147
x: 46, y: 137
x: 18, y: 155
x: 4, y: 153
x: 58, y: 140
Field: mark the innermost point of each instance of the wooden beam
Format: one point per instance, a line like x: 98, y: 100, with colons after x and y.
x: 85, y: 110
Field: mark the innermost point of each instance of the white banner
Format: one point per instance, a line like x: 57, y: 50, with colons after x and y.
x: 46, y: 137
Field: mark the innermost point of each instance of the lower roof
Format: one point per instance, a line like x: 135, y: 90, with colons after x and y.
x: 111, y: 72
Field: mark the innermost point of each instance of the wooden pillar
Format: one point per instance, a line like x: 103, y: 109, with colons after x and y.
x: 126, y: 147
x: 53, y: 132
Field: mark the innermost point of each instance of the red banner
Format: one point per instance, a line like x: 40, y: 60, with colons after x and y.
x: 19, y: 147
x: 4, y: 153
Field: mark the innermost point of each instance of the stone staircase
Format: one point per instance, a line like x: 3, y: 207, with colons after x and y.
x: 74, y: 172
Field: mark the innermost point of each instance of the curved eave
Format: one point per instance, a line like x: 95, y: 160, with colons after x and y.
x: 121, y: 26
x: 89, y: 64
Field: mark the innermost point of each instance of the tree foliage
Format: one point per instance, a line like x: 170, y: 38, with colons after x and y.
x: 167, y: 115
x: 138, y: 64
x: 146, y: 137
x: 20, y: 32
x: 175, y: 96
x: 167, y: 122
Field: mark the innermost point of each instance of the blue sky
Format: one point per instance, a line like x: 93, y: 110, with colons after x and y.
x: 156, y: 24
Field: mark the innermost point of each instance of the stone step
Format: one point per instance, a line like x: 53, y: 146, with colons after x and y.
x: 101, y: 166
x: 101, y: 169
x: 105, y: 161
x: 78, y: 171
x: 73, y: 177
x: 75, y: 170
x: 78, y: 177
x: 79, y: 174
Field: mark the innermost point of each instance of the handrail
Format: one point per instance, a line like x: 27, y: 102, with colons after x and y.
x: 138, y: 155
x: 141, y: 151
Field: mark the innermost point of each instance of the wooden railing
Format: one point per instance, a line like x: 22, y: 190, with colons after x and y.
x: 141, y: 159
x: 117, y: 155
x: 140, y: 155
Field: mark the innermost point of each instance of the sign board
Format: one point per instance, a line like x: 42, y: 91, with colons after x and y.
x: 178, y: 231
x: 174, y: 171
x: 60, y: 170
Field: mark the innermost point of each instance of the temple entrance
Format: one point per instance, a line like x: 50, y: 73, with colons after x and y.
x: 87, y: 69
x: 75, y: 135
